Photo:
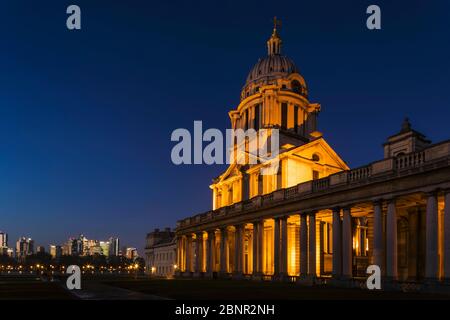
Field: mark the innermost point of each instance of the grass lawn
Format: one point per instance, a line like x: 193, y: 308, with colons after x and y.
x: 18, y: 288
x: 245, y: 290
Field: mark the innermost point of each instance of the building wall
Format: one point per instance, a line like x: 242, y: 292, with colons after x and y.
x: 161, y: 261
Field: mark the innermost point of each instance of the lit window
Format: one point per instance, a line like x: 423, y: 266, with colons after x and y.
x: 315, y: 175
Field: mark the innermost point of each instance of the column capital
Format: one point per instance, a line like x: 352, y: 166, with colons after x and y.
x: 432, y: 193
x: 256, y: 222
x: 378, y: 202
x: 391, y: 200
x: 239, y: 226
x: 282, y: 217
x: 199, y: 235
x: 336, y: 208
x: 347, y: 208
x: 312, y: 212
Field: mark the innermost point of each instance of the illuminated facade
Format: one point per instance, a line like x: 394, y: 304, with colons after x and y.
x: 314, y: 218
x: 161, y: 253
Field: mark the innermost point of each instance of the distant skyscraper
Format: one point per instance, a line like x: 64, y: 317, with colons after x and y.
x: 71, y: 247
x: 131, y: 253
x: 24, y: 247
x: 82, y: 245
x: 105, y: 247
x: 40, y: 249
x: 56, y: 251
x: 3, y: 239
x: 114, y: 246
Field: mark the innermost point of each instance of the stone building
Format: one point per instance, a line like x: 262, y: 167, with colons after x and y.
x: 161, y: 253
x: 315, y: 218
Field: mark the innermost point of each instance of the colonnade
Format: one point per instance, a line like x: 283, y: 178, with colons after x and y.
x: 211, y: 252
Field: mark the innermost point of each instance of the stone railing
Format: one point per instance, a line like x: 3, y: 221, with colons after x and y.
x: 291, y: 192
x: 321, y: 184
x: 410, y: 160
x: 358, y: 175
x: 267, y: 198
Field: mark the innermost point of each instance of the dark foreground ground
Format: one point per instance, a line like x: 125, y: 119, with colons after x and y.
x: 125, y: 288
x: 245, y: 290
x: 31, y: 287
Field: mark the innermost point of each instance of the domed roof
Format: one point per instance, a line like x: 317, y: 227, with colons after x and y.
x: 272, y: 66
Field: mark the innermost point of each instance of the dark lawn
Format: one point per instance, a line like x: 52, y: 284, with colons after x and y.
x: 245, y: 290
x: 23, y: 287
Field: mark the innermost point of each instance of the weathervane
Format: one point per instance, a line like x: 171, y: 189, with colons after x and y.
x: 276, y: 23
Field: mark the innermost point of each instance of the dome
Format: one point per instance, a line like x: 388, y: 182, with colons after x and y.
x: 271, y: 67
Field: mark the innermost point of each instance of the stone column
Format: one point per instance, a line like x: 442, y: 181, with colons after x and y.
x: 260, y: 246
x: 199, y: 254
x: 238, y: 250
x: 447, y: 235
x: 245, y: 190
x: 255, y: 249
x: 337, y: 243
x: 378, y: 248
x: 223, y: 250
x: 260, y: 185
x: 413, y: 242
x: 312, y: 245
x: 303, y: 246
x: 347, y: 243
x: 178, y: 263
x: 431, y: 235
x: 210, y: 253
x: 391, y: 241
x: 188, y: 252
x: 276, y: 247
x: 284, y: 247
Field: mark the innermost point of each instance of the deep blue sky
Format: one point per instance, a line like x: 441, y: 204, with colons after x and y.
x: 86, y: 116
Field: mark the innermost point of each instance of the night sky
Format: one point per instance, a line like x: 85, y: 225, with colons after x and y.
x: 86, y: 116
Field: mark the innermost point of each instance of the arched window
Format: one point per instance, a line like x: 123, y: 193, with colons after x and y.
x: 315, y: 157
x: 296, y: 86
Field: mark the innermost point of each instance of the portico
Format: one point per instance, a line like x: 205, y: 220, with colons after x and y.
x: 313, y: 219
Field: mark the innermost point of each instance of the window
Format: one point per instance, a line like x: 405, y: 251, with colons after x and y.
x: 295, y: 118
x: 256, y: 117
x: 315, y: 157
x: 327, y: 237
x: 284, y: 116
x: 246, y: 120
x: 296, y: 86
x: 315, y: 175
x: 361, y: 241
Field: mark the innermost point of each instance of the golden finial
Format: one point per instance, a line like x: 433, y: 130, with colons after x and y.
x: 276, y: 23
x: 274, y: 43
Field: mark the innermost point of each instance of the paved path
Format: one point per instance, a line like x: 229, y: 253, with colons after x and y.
x: 98, y: 291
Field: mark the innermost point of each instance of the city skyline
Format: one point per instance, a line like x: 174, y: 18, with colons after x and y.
x: 81, y: 118
x: 73, y: 245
